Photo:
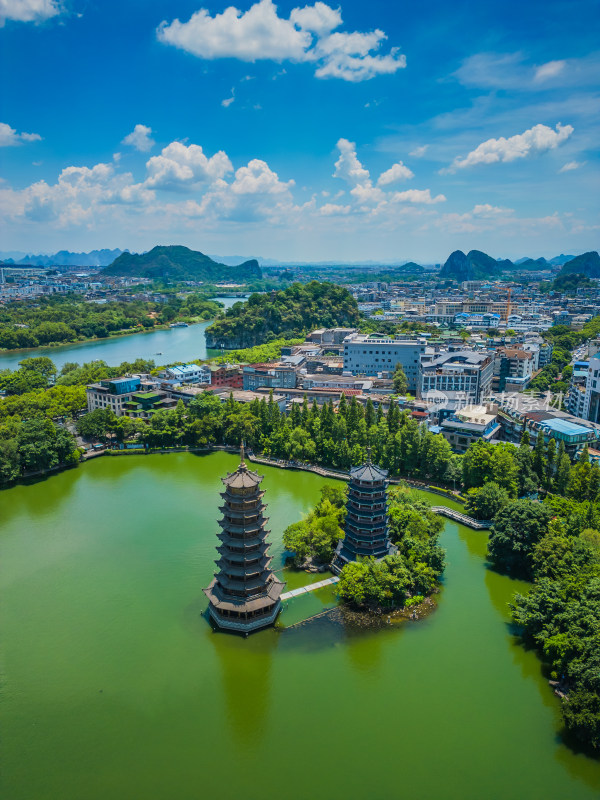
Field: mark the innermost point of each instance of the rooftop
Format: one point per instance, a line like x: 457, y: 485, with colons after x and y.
x: 368, y: 472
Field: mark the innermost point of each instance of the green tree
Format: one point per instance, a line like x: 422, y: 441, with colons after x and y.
x: 517, y: 528
x: 486, y: 502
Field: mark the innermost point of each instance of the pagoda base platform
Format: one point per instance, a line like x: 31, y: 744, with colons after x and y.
x: 244, y: 626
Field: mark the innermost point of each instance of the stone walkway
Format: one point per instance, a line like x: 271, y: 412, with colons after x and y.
x: 310, y: 588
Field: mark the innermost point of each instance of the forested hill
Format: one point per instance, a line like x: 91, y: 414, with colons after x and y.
x: 175, y: 262
x: 587, y: 264
x: 288, y: 313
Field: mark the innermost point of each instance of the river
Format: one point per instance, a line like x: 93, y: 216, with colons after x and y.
x: 163, y: 346
x: 116, y: 688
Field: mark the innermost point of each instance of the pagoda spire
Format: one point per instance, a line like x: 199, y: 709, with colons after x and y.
x: 242, y: 453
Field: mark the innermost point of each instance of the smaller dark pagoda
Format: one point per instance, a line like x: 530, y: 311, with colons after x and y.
x: 366, y: 527
x: 245, y: 594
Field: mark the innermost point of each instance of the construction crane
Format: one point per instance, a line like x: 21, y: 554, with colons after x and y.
x: 508, y: 305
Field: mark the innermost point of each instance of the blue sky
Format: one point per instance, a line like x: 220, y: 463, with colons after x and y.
x: 371, y: 130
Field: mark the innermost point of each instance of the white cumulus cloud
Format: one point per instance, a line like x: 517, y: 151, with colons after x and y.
x: 534, y: 140
x: 181, y: 167
x: 10, y: 138
x: 305, y: 36
x: 257, y: 34
x: 28, y: 10
x: 140, y: 138
x: 348, y: 167
x: 319, y: 19
x: 334, y: 210
x: 348, y: 56
x: 258, y: 178
x: 397, y: 172
x: 417, y: 196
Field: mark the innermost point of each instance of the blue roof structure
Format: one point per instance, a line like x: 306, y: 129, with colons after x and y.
x: 565, y: 427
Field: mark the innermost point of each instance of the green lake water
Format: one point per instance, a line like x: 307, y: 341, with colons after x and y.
x: 114, y: 686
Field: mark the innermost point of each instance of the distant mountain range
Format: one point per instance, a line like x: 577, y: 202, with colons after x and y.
x: 175, y: 262
x: 64, y: 258
x: 476, y: 265
x: 540, y: 263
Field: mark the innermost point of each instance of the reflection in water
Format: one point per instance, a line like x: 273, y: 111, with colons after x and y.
x: 245, y: 671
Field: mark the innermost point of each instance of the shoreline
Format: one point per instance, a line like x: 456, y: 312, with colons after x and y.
x: 58, y: 345
x: 314, y: 468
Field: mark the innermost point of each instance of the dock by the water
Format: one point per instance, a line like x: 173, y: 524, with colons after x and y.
x: 310, y: 588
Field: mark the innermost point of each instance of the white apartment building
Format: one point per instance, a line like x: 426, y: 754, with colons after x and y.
x: 188, y: 373
x: 464, y: 371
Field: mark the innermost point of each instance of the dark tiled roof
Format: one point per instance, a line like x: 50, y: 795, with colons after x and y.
x: 368, y: 472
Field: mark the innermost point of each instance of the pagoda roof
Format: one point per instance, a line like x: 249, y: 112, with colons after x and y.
x: 275, y: 588
x: 368, y: 472
x: 242, y: 478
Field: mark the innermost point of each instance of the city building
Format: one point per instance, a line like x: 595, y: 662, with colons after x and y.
x: 244, y: 595
x: 188, y: 373
x: 510, y: 363
x: 576, y: 401
x: 519, y: 413
x: 373, y: 354
x: 466, y: 372
x: 112, y: 394
x: 273, y: 376
x: 366, y: 527
x: 330, y: 338
x: 591, y: 409
x: 227, y: 375
x: 469, y: 424
x: 144, y: 404
x: 324, y: 381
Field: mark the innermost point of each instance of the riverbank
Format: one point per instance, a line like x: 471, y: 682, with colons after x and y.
x: 175, y: 344
x: 98, y: 339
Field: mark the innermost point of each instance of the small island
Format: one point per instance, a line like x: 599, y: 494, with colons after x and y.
x: 382, y: 544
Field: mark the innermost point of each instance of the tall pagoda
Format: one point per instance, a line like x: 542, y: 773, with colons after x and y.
x: 366, y: 527
x: 244, y: 594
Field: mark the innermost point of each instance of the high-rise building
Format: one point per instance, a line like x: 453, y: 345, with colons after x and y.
x: 244, y: 595
x: 366, y: 527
